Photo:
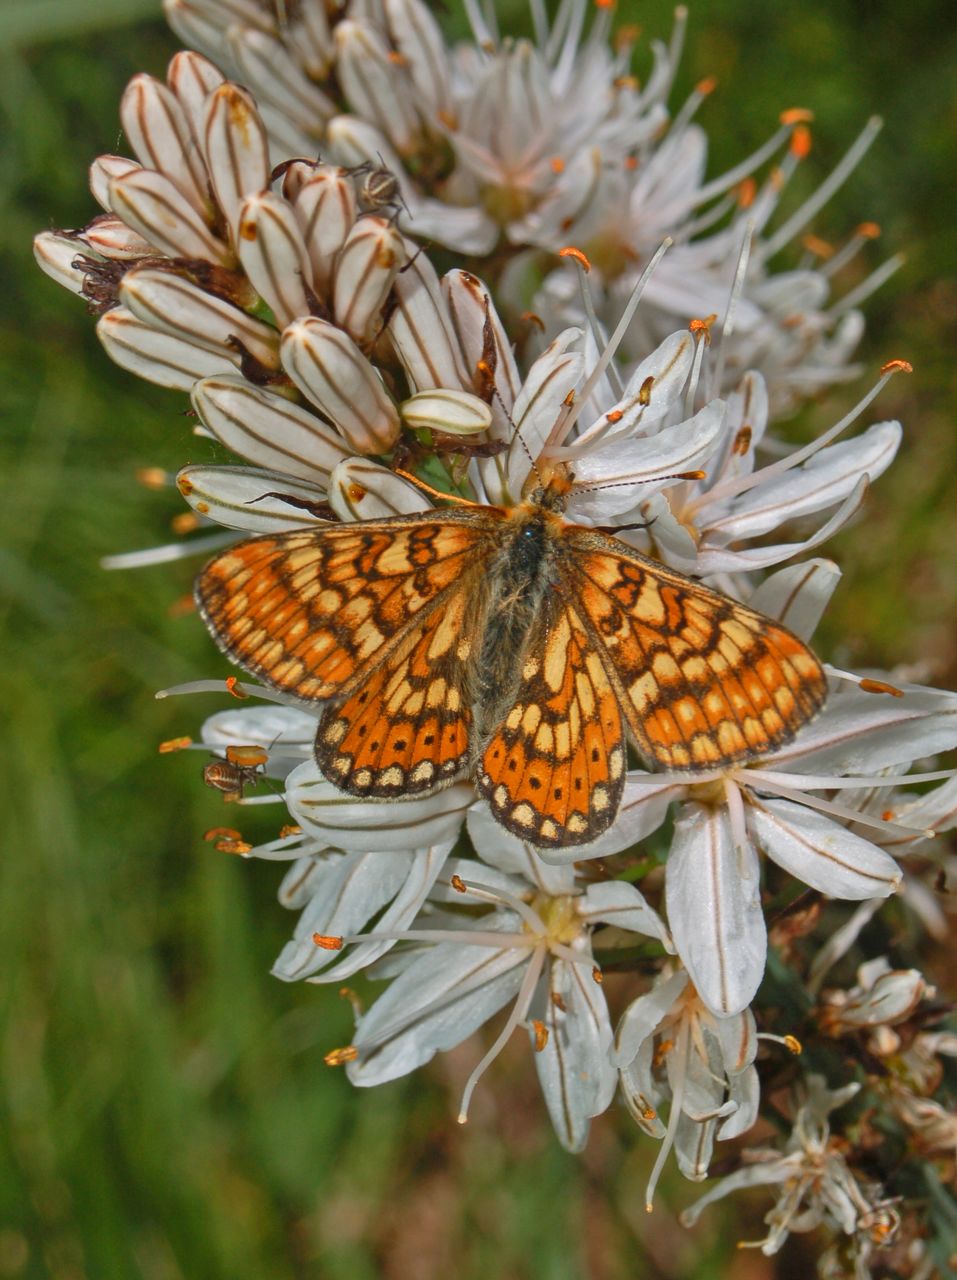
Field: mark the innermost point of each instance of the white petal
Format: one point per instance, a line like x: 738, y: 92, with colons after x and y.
x: 798, y: 594
x: 157, y: 357
x: 823, y: 854
x: 643, y: 1016
x: 644, y: 806
x: 349, y: 823
x: 155, y: 207
x: 618, y: 903
x: 421, y: 329
x: 539, y: 403
x: 268, y: 430
x: 360, y: 489
x: 250, y: 499
x: 713, y: 895
x: 499, y: 848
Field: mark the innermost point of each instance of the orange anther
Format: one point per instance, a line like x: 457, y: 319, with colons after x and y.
x: 887, y: 815
x: 541, y: 1034
x: 185, y: 522
x: 869, y: 230
x: 625, y: 82
x: 702, y: 328
x: 801, y: 141
x: 290, y: 829
x: 793, y: 1044
x: 796, y: 115
x: 614, y: 415
x: 881, y: 686
x: 397, y: 59
x: 202, y: 508
x: 184, y: 485
x: 742, y: 441
x: 897, y: 366
x: 458, y: 884
x: 328, y: 942
x: 649, y: 1113
x: 644, y: 391
x: 571, y: 252
x: 814, y: 244
x: 706, y: 86
x: 631, y: 163
x: 556, y: 164
x: 337, y: 1057
x: 151, y: 477
x: 222, y: 833
x: 174, y: 744
x: 569, y: 399
x: 233, y: 686
x: 239, y: 847
x: 747, y: 190
x: 597, y: 975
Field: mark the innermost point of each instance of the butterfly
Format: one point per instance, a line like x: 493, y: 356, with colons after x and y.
x: 508, y: 645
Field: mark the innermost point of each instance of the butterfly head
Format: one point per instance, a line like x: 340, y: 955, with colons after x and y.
x: 548, y: 485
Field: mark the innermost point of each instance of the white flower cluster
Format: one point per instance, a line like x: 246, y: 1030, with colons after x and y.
x: 320, y: 345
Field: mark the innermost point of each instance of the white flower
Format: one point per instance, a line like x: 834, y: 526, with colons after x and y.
x: 816, y: 1184
x: 670, y: 1047
x: 532, y: 948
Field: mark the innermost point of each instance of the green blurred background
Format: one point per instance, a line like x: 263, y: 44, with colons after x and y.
x: 164, y: 1107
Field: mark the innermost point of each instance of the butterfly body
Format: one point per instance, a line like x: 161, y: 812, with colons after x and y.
x: 508, y: 645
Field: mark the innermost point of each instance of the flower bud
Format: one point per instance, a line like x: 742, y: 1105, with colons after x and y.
x: 237, y: 150
x: 155, y: 207
x: 160, y: 136
x: 456, y: 412
x: 273, y: 255
x: 365, y: 271
x: 331, y: 371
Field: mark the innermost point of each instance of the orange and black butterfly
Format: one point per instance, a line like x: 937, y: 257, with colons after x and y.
x: 508, y: 645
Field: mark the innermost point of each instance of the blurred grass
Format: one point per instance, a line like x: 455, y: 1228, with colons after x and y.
x: 165, y: 1110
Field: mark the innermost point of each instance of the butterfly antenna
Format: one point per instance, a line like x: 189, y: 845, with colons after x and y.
x: 568, y: 418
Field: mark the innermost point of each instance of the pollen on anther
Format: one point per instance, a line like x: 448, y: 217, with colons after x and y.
x: 880, y: 686
x: 541, y: 1034
x: 221, y: 833
x: 706, y: 86
x: 328, y: 942
x: 174, y: 744
x: 571, y: 252
x: 801, y: 142
x: 796, y: 115
x: 235, y: 688
x: 793, y: 1045
x: 458, y: 884
x: 597, y: 975
x: 897, y: 366
x: 337, y: 1057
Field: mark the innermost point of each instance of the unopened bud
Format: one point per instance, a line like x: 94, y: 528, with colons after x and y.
x: 455, y: 412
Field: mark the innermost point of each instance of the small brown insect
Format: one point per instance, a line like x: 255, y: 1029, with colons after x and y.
x: 379, y: 191
x: 242, y: 766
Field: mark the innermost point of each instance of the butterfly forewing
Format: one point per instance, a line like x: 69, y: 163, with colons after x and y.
x: 554, y: 769
x: 703, y: 680
x: 310, y: 612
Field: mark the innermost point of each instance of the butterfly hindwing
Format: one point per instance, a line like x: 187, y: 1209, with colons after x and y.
x: 405, y: 729
x: 703, y: 680
x: 553, y: 770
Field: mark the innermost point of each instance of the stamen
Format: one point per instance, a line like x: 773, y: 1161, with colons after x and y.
x: 569, y: 417
x: 873, y: 282
x: 845, y: 167
x: 216, y: 686
x: 515, y: 1018
x: 791, y: 1043
x: 727, y: 328
x: 174, y: 744
x: 583, y: 267
x: 866, y: 232
x: 844, y: 811
x: 865, y: 683
x: 167, y: 554
x: 502, y: 898
x: 674, y: 1115
x: 338, y: 1057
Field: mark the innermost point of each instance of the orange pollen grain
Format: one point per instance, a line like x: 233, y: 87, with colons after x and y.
x: 290, y: 829
x: 881, y: 686
x: 327, y: 941
x: 185, y: 486
x: 398, y: 59
x: 556, y: 164
x: 484, y: 368
x: 571, y: 252
x: 151, y: 477
x: 662, y: 1052
x: 897, y: 366
x: 221, y: 833
x: 458, y: 884
x: 597, y: 975
x: 793, y: 1044
x: 233, y: 687
x: 202, y: 508
x: 174, y: 744
x: 569, y: 399
x: 887, y: 815
x: 801, y: 141
x: 796, y: 115
x: 702, y: 328
x: 338, y: 1057
x: 625, y: 82
x: 631, y: 163
x: 249, y: 757
x: 869, y: 230
x: 541, y: 1034
x: 706, y: 86
x: 614, y: 415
